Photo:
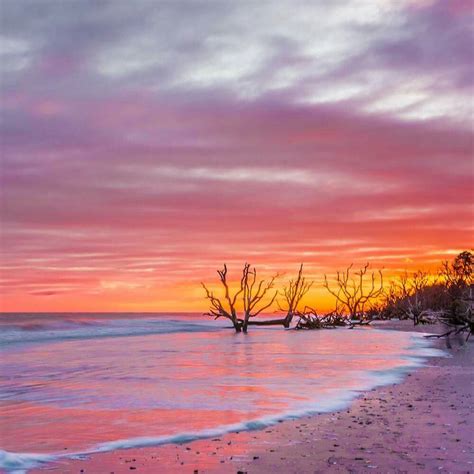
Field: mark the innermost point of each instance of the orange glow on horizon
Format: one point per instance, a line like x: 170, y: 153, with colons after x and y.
x: 113, y: 293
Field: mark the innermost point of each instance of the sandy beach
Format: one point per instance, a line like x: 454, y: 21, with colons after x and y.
x: 423, y: 424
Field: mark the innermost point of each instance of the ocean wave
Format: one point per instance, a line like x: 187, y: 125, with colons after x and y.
x: 63, y: 330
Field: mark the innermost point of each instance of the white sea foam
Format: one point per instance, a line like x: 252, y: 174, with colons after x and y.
x: 19, y: 463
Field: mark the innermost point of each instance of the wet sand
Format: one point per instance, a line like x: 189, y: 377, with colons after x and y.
x: 424, y: 424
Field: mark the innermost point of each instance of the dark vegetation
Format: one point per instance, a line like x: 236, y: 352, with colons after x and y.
x: 360, y: 295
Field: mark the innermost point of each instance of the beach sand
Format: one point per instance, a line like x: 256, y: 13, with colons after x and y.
x: 424, y: 424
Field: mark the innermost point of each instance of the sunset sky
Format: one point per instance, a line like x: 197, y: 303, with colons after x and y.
x: 146, y: 143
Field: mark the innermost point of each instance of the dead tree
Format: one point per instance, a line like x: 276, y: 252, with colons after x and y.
x: 458, y: 281
x: 251, y: 296
x: 254, y: 294
x: 353, y: 292
x: 409, y: 297
x: 395, y: 297
x: 292, y: 294
x: 416, y: 310
x: 226, y: 307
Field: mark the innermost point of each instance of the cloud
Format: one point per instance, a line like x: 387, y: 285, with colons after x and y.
x: 143, y: 144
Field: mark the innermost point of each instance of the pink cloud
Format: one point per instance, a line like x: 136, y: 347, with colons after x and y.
x: 142, y: 183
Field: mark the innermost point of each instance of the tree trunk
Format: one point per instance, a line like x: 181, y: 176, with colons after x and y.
x: 288, y: 320
x: 285, y: 322
x: 237, y: 325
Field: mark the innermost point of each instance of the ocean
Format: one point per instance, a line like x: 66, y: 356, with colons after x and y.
x: 75, y: 384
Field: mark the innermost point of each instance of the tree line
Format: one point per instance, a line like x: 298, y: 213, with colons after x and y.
x: 360, y: 295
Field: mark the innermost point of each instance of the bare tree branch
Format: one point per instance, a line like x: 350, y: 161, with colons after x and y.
x: 353, y: 292
x: 225, y: 308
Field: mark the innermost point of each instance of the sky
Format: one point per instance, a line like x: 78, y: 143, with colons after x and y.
x: 145, y: 143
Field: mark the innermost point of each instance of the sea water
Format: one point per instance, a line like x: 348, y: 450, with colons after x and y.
x: 75, y: 384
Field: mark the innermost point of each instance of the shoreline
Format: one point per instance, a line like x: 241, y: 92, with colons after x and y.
x: 422, y: 424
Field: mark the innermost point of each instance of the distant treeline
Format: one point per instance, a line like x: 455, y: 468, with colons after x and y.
x: 360, y: 296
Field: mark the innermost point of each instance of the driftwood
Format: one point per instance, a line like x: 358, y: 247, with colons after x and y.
x: 309, y: 319
x: 459, y: 324
x: 353, y: 323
